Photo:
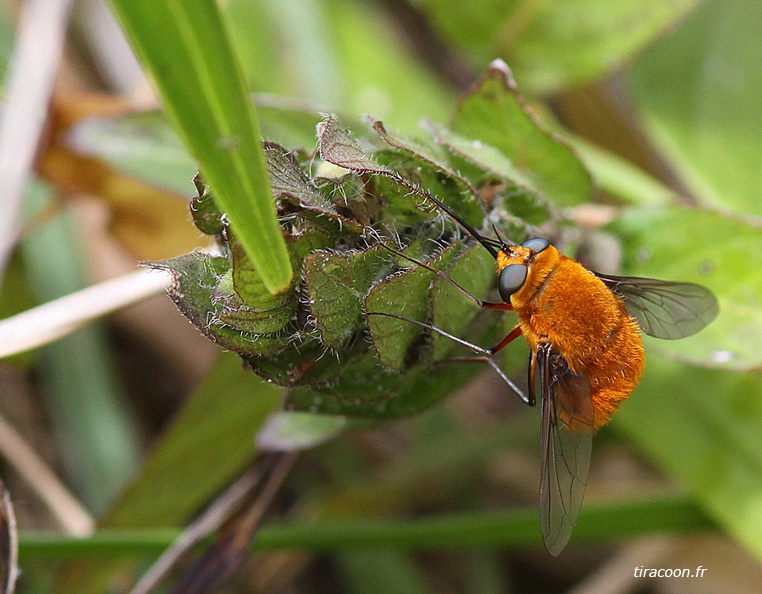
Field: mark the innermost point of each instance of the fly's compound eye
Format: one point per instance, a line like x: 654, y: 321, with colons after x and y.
x: 536, y: 245
x: 511, y: 280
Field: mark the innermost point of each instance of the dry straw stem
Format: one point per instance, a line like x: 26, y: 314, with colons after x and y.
x: 53, y: 320
x: 67, y: 510
x: 33, y: 68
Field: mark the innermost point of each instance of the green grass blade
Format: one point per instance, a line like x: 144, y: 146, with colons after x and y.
x: 186, y: 48
x: 97, y: 438
x: 475, y: 530
x: 207, y: 445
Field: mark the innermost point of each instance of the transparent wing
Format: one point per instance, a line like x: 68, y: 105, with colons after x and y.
x: 664, y: 309
x: 567, y: 435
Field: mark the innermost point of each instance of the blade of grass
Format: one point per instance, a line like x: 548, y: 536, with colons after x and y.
x: 186, y: 47
x: 96, y: 436
x: 209, y: 442
x: 253, y: 492
x: 520, y: 528
x: 207, y: 445
x: 9, y: 541
x: 711, y: 445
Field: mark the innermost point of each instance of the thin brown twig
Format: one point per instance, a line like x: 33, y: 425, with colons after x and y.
x: 10, y: 542
x: 209, y: 521
x: 219, y: 513
x: 72, y: 516
x: 225, y: 557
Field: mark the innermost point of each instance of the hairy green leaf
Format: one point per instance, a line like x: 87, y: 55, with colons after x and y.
x: 493, y: 113
x: 407, y: 295
x: 337, y: 285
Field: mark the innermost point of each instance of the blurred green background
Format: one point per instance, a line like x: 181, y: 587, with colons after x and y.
x: 145, y: 421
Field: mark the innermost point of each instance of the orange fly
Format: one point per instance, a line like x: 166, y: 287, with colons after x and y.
x: 586, y: 353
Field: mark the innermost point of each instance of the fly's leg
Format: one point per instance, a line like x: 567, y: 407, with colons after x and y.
x: 491, y: 362
x: 486, y: 354
x: 512, y: 335
x: 488, y: 359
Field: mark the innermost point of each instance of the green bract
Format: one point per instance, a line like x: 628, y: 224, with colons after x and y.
x: 358, y: 226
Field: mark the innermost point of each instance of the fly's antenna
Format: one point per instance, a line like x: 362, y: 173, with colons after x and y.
x: 489, y: 244
x: 502, y: 239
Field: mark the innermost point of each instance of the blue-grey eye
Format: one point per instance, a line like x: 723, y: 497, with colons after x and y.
x: 511, y: 280
x: 536, y: 245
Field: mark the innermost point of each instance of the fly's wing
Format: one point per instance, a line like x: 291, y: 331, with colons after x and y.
x: 664, y: 309
x: 567, y: 435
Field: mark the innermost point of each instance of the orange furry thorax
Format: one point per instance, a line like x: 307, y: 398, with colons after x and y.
x: 566, y: 305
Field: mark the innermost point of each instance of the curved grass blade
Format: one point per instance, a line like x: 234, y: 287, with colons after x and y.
x: 186, y: 47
